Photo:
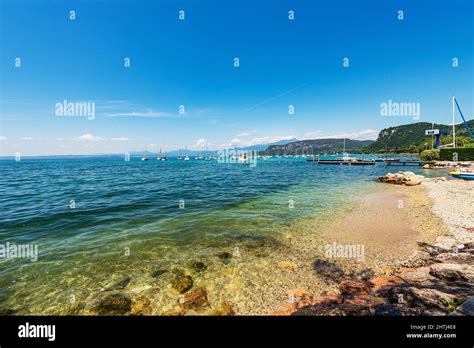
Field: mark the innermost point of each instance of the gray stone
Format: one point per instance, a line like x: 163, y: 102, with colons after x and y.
x: 453, y: 272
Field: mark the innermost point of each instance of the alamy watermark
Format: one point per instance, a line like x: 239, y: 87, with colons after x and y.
x: 75, y: 109
x: 392, y: 108
x: 235, y: 156
x: 19, y: 251
x: 355, y: 251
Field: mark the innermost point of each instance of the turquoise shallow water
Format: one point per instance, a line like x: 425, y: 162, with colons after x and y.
x: 135, y: 206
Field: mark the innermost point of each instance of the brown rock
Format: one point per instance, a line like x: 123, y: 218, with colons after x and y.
x: 353, y: 287
x: 329, y: 299
x: 182, y: 283
x: 362, y: 301
x: 384, y: 280
x: 112, y: 304
x: 194, y: 299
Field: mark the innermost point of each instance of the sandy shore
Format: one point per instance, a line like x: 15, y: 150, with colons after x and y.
x: 453, y: 201
x: 401, y: 229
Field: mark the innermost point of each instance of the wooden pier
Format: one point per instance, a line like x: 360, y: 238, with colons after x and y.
x: 358, y: 162
x: 408, y: 163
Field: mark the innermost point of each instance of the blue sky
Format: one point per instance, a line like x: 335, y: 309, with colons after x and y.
x: 282, y: 62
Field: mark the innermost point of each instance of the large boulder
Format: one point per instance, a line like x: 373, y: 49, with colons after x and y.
x: 460, y: 258
x: 453, y: 272
x: 402, y: 178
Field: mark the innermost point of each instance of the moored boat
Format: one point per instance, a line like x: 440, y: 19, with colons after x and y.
x: 462, y: 175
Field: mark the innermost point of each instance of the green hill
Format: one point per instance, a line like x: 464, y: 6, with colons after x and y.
x: 412, y: 138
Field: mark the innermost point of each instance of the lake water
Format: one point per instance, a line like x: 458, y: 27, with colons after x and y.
x: 99, y: 219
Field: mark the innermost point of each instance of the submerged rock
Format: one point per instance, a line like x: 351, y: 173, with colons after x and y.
x: 199, y: 266
x: 194, y: 299
x: 182, y: 283
x: 225, y: 257
x: 159, y: 272
x: 122, y: 284
x: 112, y: 304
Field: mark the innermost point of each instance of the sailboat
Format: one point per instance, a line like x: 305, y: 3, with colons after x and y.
x: 186, y: 157
x: 345, y: 155
x: 180, y: 157
x: 161, y: 157
x: 145, y: 157
x: 207, y: 158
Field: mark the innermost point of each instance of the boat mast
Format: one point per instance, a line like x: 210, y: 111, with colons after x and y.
x: 454, y: 129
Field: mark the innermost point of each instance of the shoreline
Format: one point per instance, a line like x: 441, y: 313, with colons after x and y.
x: 392, y: 229
x: 435, y: 219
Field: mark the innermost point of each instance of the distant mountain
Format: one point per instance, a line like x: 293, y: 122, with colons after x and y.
x: 411, y: 137
x: 262, y: 147
x: 330, y: 145
x: 194, y: 153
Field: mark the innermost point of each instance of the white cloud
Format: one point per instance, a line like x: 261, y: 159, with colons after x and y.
x: 27, y: 138
x: 89, y: 137
x: 201, y: 143
x: 3, y: 138
x: 236, y: 142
